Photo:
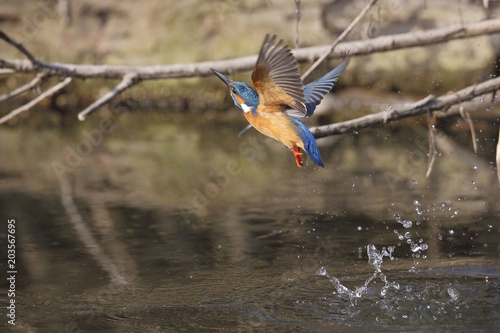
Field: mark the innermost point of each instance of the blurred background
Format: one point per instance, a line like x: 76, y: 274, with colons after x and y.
x: 153, y: 215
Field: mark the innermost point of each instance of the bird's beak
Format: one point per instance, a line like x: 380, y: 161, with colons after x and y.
x: 224, y: 78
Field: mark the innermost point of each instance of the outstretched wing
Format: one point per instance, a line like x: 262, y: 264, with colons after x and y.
x: 276, y: 77
x: 316, y: 90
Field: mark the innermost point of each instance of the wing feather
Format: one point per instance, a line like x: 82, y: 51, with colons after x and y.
x: 316, y: 90
x: 276, y: 76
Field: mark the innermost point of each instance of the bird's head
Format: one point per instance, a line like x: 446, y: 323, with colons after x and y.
x: 243, y: 95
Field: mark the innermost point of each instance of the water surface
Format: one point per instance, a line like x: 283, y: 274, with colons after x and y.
x: 154, y: 223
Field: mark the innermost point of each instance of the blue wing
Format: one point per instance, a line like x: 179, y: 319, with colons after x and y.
x: 310, y: 145
x: 316, y: 90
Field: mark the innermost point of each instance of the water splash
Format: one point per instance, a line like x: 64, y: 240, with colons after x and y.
x: 454, y: 294
x: 416, y: 203
x: 416, y: 247
x: 406, y: 223
x: 375, y: 258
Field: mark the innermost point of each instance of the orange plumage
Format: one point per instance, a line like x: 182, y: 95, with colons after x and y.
x: 280, y: 100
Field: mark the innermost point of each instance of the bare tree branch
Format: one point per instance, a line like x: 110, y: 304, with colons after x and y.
x: 466, y: 116
x: 37, y: 100
x: 128, y: 81
x: 338, y: 40
x: 64, y: 10
x: 427, y: 105
x: 30, y: 85
x: 379, y: 44
x: 20, y: 47
x: 477, y: 103
x: 298, y: 14
x: 432, y: 146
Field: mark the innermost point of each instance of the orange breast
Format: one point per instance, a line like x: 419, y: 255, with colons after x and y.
x: 277, y: 126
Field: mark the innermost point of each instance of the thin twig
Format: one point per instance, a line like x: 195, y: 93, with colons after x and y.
x: 451, y: 147
x: 297, y: 12
x: 127, y: 81
x: 20, y: 47
x: 466, y: 116
x: 432, y: 145
x: 432, y: 104
x: 339, y: 39
x: 37, y: 100
x: 30, y: 85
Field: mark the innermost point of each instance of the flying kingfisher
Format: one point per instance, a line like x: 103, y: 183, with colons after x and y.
x: 279, y: 101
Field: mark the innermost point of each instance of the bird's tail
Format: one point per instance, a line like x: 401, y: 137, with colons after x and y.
x: 310, y: 145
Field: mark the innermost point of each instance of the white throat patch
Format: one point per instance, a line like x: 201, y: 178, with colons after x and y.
x: 246, y: 108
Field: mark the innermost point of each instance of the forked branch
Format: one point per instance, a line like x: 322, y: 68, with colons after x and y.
x: 37, y: 100
x: 429, y: 105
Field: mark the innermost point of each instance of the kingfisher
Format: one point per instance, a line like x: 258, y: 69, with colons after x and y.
x: 279, y: 102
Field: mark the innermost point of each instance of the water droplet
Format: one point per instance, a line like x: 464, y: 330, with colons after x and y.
x: 453, y: 293
x: 475, y: 167
x: 451, y: 232
x: 407, y: 224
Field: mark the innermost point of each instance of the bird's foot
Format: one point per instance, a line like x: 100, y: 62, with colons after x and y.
x: 298, y: 156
